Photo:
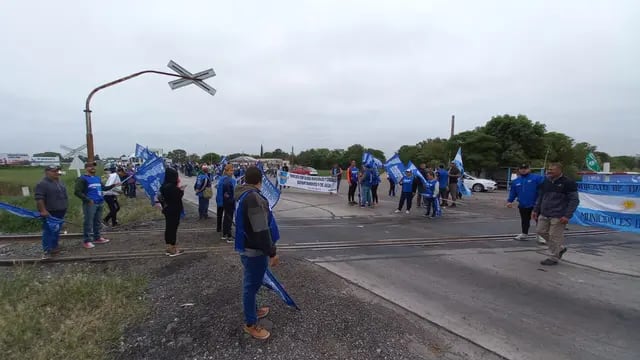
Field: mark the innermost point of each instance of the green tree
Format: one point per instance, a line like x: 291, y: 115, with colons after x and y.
x: 177, y: 156
x: 408, y: 152
x: 353, y: 152
x: 432, y: 152
x: 520, y: 139
x: 558, y: 148
x: 194, y: 157
x: 480, y: 151
x: 625, y: 163
x: 48, y: 154
x: 211, y: 158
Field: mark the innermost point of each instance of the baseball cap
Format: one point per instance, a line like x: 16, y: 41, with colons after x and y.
x: 523, y: 166
x: 52, y: 167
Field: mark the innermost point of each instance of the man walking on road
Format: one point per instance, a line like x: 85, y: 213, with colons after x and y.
x: 225, y: 202
x: 556, y: 203
x: 525, y: 189
x: 256, y: 234
x: 89, y: 189
x: 51, y: 199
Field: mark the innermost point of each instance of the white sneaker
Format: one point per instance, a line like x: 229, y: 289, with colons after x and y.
x: 407, y: 212
x: 541, y: 240
x: 521, y: 237
x: 397, y: 211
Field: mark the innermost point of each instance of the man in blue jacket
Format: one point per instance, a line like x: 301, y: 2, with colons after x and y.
x: 406, y: 185
x: 525, y: 188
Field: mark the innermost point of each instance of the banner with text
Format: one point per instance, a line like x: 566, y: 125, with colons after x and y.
x: 311, y: 183
x: 610, y: 205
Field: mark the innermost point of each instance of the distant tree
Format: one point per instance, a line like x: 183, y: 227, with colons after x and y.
x: 211, y: 158
x: 48, y: 154
x: 520, y: 139
x: 480, y: 151
x: 580, y: 151
x: 194, y: 157
x: 625, y: 163
x: 353, y: 152
x: 279, y: 154
x: 558, y: 148
x: 408, y: 152
x: 177, y: 156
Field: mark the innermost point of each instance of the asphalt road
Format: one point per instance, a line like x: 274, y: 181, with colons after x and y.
x: 464, y: 273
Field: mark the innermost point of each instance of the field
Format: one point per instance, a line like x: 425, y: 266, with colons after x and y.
x: 12, y: 179
x: 71, y: 315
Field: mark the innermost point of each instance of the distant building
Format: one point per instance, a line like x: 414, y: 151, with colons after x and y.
x: 45, y: 160
x: 15, y: 159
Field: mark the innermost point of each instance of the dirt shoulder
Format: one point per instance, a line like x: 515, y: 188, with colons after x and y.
x: 334, y: 321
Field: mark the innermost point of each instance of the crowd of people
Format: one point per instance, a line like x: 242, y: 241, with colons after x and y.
x: 550, y: 201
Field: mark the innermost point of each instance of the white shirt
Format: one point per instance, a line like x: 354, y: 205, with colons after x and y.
x: 113, y: 178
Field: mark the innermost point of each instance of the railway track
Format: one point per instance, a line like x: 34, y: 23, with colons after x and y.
x: 221, y: 249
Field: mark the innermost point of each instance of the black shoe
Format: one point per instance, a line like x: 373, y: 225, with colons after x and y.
x: 564, y: 250
x: 548, y: 262
x: 427, y: 215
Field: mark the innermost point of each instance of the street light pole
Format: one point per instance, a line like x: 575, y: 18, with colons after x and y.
x: 87, y: 109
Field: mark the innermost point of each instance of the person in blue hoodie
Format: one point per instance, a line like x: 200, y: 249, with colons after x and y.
x: 406, y: 185
x: 525, y: 189
x: 225, y: 202
x: 431, y: 192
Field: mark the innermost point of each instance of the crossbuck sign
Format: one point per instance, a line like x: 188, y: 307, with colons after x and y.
x: 198, y: 78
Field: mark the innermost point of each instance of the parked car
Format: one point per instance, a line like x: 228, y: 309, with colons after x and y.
x: 305, y: 170
x: 479, y: 185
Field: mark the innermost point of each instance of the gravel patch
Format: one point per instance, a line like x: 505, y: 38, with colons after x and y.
x: 197, y: 314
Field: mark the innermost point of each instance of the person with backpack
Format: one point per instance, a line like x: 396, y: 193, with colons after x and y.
x: 256, y: 235
x: 204, y: 192
x: 225, y: 202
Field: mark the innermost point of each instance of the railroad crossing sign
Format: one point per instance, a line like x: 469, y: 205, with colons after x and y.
x: 199, y: 78
x: 73, y: 152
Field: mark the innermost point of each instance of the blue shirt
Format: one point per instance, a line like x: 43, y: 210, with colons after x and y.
x: 407, y: 184
x: 354, y: 175
x: 430, y: 189
x: 94, y: 188
x: 443, y: 177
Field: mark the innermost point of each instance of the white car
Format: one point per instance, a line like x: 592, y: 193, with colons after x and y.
x: 312, y: 171
x: 479, y: 185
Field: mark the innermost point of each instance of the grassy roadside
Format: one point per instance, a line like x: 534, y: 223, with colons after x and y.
x: 73, y: 315
x: 12, y: 179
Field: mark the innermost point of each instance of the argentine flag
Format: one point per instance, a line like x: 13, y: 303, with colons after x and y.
x: 461, y: 186
x: 610, y: 205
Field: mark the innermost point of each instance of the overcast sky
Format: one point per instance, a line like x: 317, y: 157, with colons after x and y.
x: 315, y: 73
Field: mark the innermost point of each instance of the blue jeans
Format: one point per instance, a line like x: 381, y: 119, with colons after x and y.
x: 203, y: 206
x: 92, y: 216
x: 366, y: 195
x: 49, y: 238
x: 254, y: 269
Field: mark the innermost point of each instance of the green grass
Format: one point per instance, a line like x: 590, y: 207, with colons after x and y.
x: 324, y: 172
x: 132, y: 210
x: 74, y: 315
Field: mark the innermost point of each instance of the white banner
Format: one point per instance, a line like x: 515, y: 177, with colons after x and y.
x: 311, y: 183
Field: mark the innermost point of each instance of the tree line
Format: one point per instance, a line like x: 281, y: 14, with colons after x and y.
x: 504, y: 141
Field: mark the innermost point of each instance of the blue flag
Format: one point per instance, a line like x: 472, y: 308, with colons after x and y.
x: 369, y: 160
x: 54, y: 223
x: 144, y: 153
x: 395, y: 168
x: 461, y: 186
x: 271, y: 282
x: 151, y: 176
x: 416, y: 173
x: 269, y: 191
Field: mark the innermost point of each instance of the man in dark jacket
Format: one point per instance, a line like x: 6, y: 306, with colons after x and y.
x: 225, y: 203
x: 525, y: 189
x: 52, y: 200
x: 171, y: 193
x: 256, y: 234
x: 556, y: 203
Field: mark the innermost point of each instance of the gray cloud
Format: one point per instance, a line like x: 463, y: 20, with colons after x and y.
x: 317, y: 73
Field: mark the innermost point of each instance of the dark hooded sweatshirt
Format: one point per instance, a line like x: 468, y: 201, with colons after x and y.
x: 171, y: 193
x: 255, y: 213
